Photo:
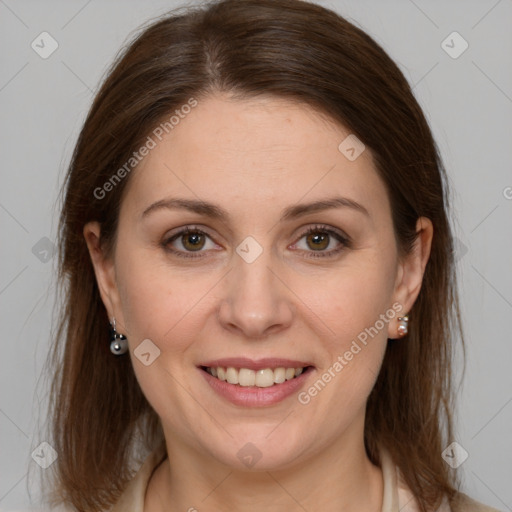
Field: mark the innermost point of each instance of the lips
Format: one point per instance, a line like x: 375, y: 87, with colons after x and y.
x: 251, y: 364
x: 266, y: 394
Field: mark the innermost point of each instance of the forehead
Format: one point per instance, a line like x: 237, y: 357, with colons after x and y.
x: 253, y: 154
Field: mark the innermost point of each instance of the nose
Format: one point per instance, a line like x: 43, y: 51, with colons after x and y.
x: 256, y: 301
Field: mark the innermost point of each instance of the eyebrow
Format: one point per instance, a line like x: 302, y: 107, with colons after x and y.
x: 217, y: 212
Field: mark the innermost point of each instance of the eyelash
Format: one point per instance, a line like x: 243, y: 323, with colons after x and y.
x: 343, y: 239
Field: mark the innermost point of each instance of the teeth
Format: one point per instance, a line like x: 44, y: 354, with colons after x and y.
x: 263, y: 378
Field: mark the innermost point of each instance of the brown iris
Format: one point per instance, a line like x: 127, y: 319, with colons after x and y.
x: 318, y: 238
x: 195, y: 239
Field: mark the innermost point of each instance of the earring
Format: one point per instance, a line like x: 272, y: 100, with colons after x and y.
x: 118, y: 342
x: 403, y: 325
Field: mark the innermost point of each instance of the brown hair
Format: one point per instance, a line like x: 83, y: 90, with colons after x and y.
x: 283, y: 48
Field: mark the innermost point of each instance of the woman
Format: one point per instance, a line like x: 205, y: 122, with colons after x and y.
x: 261, y: 296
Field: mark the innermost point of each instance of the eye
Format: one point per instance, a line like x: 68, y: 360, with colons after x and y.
x: 320, y: 237
x: 191, y: 239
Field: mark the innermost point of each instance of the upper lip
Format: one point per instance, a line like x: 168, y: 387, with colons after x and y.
x: 259, y: 364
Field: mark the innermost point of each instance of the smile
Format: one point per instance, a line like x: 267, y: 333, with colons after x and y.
x: 255, y: 388
x: 263, y: 378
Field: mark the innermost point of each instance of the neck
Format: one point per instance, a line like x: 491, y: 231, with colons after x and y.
x: 340, y: 477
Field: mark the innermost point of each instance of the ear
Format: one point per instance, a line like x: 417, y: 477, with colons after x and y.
x: 411, y: 269
x: 104, y: 270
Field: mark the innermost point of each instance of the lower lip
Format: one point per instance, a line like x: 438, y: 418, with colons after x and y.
x: 253, y: 396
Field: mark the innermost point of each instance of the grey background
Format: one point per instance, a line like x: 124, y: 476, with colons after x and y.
x: 468, y: 101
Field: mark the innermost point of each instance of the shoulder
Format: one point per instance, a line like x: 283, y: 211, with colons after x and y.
x: 133, y: 496
x: 463, y: 503
x: 398, y: 496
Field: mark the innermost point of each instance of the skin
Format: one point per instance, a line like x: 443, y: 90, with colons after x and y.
x: 255, y: 158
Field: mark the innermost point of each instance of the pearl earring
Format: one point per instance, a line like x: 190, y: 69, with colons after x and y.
x: 403, y: 325
x: 118, y: 342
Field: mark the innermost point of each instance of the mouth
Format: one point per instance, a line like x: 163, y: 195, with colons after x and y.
x: 259, y: 378
x: 256, y: 383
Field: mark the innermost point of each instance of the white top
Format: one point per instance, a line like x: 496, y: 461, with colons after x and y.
x: 396, y: 497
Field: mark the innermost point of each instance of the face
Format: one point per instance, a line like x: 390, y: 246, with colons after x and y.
x: 254, y: 283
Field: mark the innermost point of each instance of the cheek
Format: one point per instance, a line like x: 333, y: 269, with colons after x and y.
x: 159, y: 305
x: 153, y: 301
x: 352, y: 299
x: 355, y: 305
